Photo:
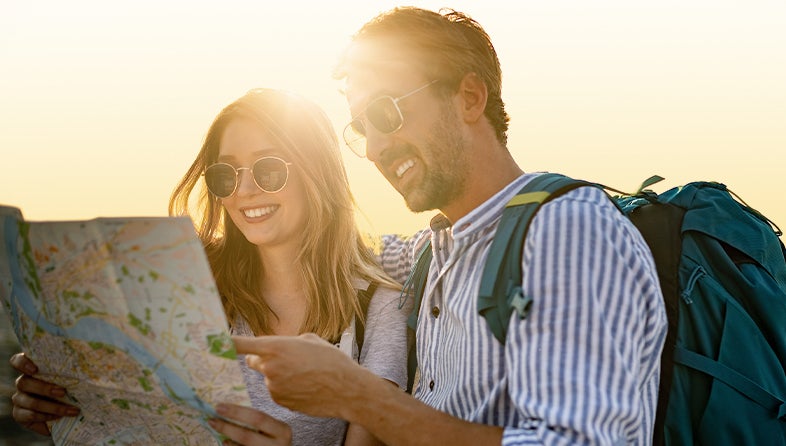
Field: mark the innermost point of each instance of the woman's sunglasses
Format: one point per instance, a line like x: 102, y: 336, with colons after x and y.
x: 383, y: 113
x: 270, y: 174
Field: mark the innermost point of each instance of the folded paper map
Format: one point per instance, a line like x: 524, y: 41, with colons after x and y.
x: 123, y: 313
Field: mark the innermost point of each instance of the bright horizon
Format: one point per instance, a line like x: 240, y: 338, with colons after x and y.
x: 103, y: 105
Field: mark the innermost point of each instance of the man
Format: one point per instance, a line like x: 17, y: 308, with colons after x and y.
x: 424, y: 91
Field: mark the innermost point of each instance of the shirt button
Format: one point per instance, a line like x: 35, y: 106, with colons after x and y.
x: 435, y: 312
x: 431, y: 386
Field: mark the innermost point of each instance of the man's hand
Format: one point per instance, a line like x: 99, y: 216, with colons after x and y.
x: 303, y: 373
x: 35, y: 400
x: 307, y: 374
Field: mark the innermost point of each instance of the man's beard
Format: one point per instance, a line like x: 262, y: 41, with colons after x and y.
x: 445, y: 172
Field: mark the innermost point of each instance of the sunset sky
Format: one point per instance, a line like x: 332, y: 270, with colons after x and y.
x: 104, y: 104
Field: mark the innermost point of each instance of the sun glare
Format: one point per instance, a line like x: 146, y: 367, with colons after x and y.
x: 105, y: 105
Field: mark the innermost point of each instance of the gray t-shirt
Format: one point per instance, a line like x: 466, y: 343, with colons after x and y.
x: 384, y: 352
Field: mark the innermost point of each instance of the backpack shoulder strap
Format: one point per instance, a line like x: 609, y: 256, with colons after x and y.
x: 500, y: 286
x: 364, y: 298
x: 415, y: 286
x: 502, y: 273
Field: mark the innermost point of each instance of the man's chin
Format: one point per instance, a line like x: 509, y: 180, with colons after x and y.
x: 421, y: 196
x: 417, y: 202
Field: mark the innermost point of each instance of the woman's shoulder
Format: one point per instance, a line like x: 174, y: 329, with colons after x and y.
x: 385, y: 299
x: 377, y: 289
x: 386, y: 293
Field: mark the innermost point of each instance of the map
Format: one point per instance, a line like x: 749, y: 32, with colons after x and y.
x: 123, y: 313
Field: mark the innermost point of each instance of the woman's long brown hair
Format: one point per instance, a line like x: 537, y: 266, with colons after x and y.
x: 332, y: 253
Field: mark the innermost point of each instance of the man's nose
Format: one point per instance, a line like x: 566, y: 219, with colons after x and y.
x: 376, y: 143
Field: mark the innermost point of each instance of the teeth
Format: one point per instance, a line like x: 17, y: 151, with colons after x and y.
x: 258, y: 212
x: 405, y: 166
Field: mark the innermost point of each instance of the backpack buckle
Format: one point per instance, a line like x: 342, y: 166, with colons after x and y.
x: 520, y: 303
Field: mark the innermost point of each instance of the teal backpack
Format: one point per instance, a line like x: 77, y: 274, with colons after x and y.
x: 722, y: 269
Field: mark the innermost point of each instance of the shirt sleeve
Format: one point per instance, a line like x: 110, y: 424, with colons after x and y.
x: 577, y: 362
x: 398, y: 253
x: 384, y: 349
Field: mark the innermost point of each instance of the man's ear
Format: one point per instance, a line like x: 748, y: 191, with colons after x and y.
x: 473, y: 95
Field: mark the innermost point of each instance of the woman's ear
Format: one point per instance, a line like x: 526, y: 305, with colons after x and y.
x: 472, y: 94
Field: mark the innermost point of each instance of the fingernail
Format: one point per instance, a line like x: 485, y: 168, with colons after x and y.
x: 57, y: 392
x: 72, y: 411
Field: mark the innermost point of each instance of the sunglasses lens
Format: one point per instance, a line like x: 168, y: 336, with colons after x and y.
x: 357, y: 127
x: 384, y: 114
x: 270, y: 174
x: 220, y: 179
x: 355, y: 137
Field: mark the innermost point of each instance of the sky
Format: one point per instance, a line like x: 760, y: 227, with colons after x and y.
x: 104, y: 104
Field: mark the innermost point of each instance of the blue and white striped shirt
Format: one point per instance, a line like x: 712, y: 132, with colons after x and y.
x: 583, y: 367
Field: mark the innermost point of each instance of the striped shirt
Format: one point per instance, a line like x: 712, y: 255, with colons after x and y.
x: 583, y: 367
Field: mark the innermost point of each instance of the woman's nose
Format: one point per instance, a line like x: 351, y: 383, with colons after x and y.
x: 246, y: 184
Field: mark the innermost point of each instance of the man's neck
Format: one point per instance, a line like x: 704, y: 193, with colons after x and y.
x: 488, y: 176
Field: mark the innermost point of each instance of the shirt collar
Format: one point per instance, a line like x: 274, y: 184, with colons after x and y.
x: 486, y: 213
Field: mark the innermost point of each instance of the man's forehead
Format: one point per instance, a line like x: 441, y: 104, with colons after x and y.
x: 374, y: 64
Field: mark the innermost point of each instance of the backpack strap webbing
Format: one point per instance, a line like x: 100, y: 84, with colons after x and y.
x: 364, y: 298
x: 733, y: 379
x: 500, y: 289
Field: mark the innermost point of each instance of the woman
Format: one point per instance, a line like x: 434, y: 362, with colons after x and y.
x: 277, y: 223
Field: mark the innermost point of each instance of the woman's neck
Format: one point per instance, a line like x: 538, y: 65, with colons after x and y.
x: 283, y: 289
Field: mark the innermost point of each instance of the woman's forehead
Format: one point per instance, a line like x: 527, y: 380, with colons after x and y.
x: 246, y: 138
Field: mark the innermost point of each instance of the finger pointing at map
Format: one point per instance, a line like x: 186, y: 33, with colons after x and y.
x: 303, y: 373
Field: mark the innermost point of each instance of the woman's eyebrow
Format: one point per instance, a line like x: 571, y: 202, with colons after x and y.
x: 259, y: 153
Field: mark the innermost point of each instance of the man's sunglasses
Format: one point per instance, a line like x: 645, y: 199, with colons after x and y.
x: 383, y: 113
x: 270, y: 174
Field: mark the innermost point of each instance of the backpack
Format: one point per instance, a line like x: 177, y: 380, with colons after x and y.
x: 722, y: 270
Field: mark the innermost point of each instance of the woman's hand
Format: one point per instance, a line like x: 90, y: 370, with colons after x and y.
x: 264, y: 430
x: 34, y: 400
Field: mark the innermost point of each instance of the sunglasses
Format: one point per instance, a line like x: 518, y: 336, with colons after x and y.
x: 270, y: 174
x: 383, y: 113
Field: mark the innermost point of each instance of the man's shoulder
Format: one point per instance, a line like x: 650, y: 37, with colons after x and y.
x: 583, y: 199
x: 586, y: 208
